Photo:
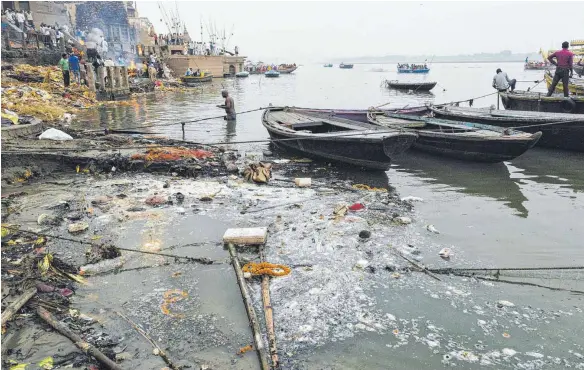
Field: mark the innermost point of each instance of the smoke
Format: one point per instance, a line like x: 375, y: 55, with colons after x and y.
x: 93, y: 38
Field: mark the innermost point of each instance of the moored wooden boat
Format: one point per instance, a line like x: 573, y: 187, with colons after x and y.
x: 195, y: 80
x: 467, y: 141
x: 576, y: 85
x: 345, y: 66
x: 560, y: 130
x: 272, y: 73
x: 284, y: 70
x: 539, y: 102
x: 414, y: 86
x: 242, y: 74
x: 537, y: 66
x: 355, y: 143
x: 359, y: 115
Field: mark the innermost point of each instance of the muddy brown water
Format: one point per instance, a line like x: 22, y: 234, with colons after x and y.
x: 523, y: 213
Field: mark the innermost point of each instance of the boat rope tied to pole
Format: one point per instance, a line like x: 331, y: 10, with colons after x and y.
x: 266, y: 268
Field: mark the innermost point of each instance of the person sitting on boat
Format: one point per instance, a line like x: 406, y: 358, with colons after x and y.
x: 189, y: 72
x: 564, y: 68
x: 229, y: 106
x: 197, y: 73
x: 501, y: 81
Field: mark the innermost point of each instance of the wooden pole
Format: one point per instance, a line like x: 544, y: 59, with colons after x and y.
x: 269, y: 314
x: 83, y: 345
x: 253, y: 320
x: 17, y: 304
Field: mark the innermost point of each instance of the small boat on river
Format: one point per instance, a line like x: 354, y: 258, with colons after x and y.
x: 329, y: 65
x: 460, y: 140
x: 414, y: 86
x: 346, y: 66
x: 560, y: 130
x: 195, y: 80
x: 272, y: 73
x: 539, y: 102
x: 286, y: 69
x: 242, y: 74
x: 335, y: 139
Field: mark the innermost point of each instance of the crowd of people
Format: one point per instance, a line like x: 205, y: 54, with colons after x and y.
x: 412, y: 66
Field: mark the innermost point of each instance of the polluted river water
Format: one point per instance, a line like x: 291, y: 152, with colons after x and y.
x: 348, y: 303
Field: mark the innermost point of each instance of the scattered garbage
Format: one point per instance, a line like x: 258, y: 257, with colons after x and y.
x: 303, y: 182
x: 156, y: 200
x: 54, y: 134
x: 432, y: 229
x: 403, y: 220
x: 411, y: 199
x: 232, y: 167
x: 340, y: 210
x: 445, y: 253
x: 172, y: 154
x: 503, y: 303
x: 46, y: 288
x: 258, y: 173
x: 101, y: 252
x: 364, y: 234
x: 78, y: 227
x: 180, y: 211
x: 357, y: 207
x: 361, y: 264
x: 45, y: 220
x: 102, y: 267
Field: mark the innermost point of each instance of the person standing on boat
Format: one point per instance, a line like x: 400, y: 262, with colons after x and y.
x: 229, y: 106
x: 564, y: 68
x: 501, y: 81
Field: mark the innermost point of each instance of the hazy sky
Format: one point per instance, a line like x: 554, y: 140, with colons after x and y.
x: 319, y: 31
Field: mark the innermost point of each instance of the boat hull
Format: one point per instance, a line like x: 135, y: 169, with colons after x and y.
x: 568, y: 136
x: 573, y: 87
x: 346, y: 66
x: 193, y: 81
x: 360, y: 115
x: 425, y: 86
x: 287, y: 71
x: 540, y: 103
x: 373, y: 153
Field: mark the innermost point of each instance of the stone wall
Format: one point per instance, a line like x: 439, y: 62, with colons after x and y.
x: 49, y: 12
x: 216, y: 64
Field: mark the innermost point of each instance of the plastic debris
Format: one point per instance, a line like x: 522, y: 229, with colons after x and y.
x: 445, y: 253
x: 78, y: 227
x: 101, y: 267
x: 245, y: 349
x: 503, y: 303
x: 259, y: 173
x: 403, y: 220
x: 303, y: 182
x: 156, y: 200
x: 357, y: 207
x: 361, y: 264
x: 412, y: 199
x: 54, y: 134
x: 432, y: 229
x: 45, y: 219
x: 340, y: 210
x: 172, y: 154
x: 180, y: 211
x: 266, y: 268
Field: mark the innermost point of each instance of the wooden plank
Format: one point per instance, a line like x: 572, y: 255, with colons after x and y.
x: 17, y: 304
x: 246, y: 236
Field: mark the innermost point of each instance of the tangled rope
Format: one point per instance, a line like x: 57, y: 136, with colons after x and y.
x: 266, y: 268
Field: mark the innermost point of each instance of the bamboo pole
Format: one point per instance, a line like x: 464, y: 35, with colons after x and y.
x: 253, y: 320
x: 17, y: 304
x: 83, y: 345
x: 269, y: 314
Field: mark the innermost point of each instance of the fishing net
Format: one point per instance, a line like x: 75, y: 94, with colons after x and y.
x: 555, y: 278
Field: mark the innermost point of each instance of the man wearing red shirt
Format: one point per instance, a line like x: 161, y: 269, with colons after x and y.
x: 564, y: 64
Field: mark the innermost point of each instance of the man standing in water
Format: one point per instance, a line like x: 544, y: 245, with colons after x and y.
x: 229, y: 106
x: 501, y: 81
x: 564, y: 68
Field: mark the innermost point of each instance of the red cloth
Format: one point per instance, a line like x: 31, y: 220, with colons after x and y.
x: 564, y: 57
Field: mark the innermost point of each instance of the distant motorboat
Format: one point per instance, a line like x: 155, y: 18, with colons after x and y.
x: 272, y: 73
x: 329, y: 65
x: 242, y: 74
x: 345, y: 66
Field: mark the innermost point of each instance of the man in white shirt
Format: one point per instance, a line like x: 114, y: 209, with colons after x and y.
x: 20, y: 19
x: 501, y: 81
x: 29, y: 20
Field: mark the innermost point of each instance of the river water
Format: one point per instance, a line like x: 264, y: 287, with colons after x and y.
x: 524, y: 213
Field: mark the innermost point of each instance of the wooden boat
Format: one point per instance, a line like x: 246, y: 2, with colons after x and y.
x: 567, y: 132
x: 537, y: 66
x: 272, y: 73
x: 539, y: 102
x: 242, y: 74
x: 195, y: 80
x: 346, y: 66
x: 409, y: 70
x: 329, y: 65
x: 576, y: 85
x: 359, y: 115
x: 415, y: 86
x: 467, y: 141
x: 286, y: 70
x: 335, y: 139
